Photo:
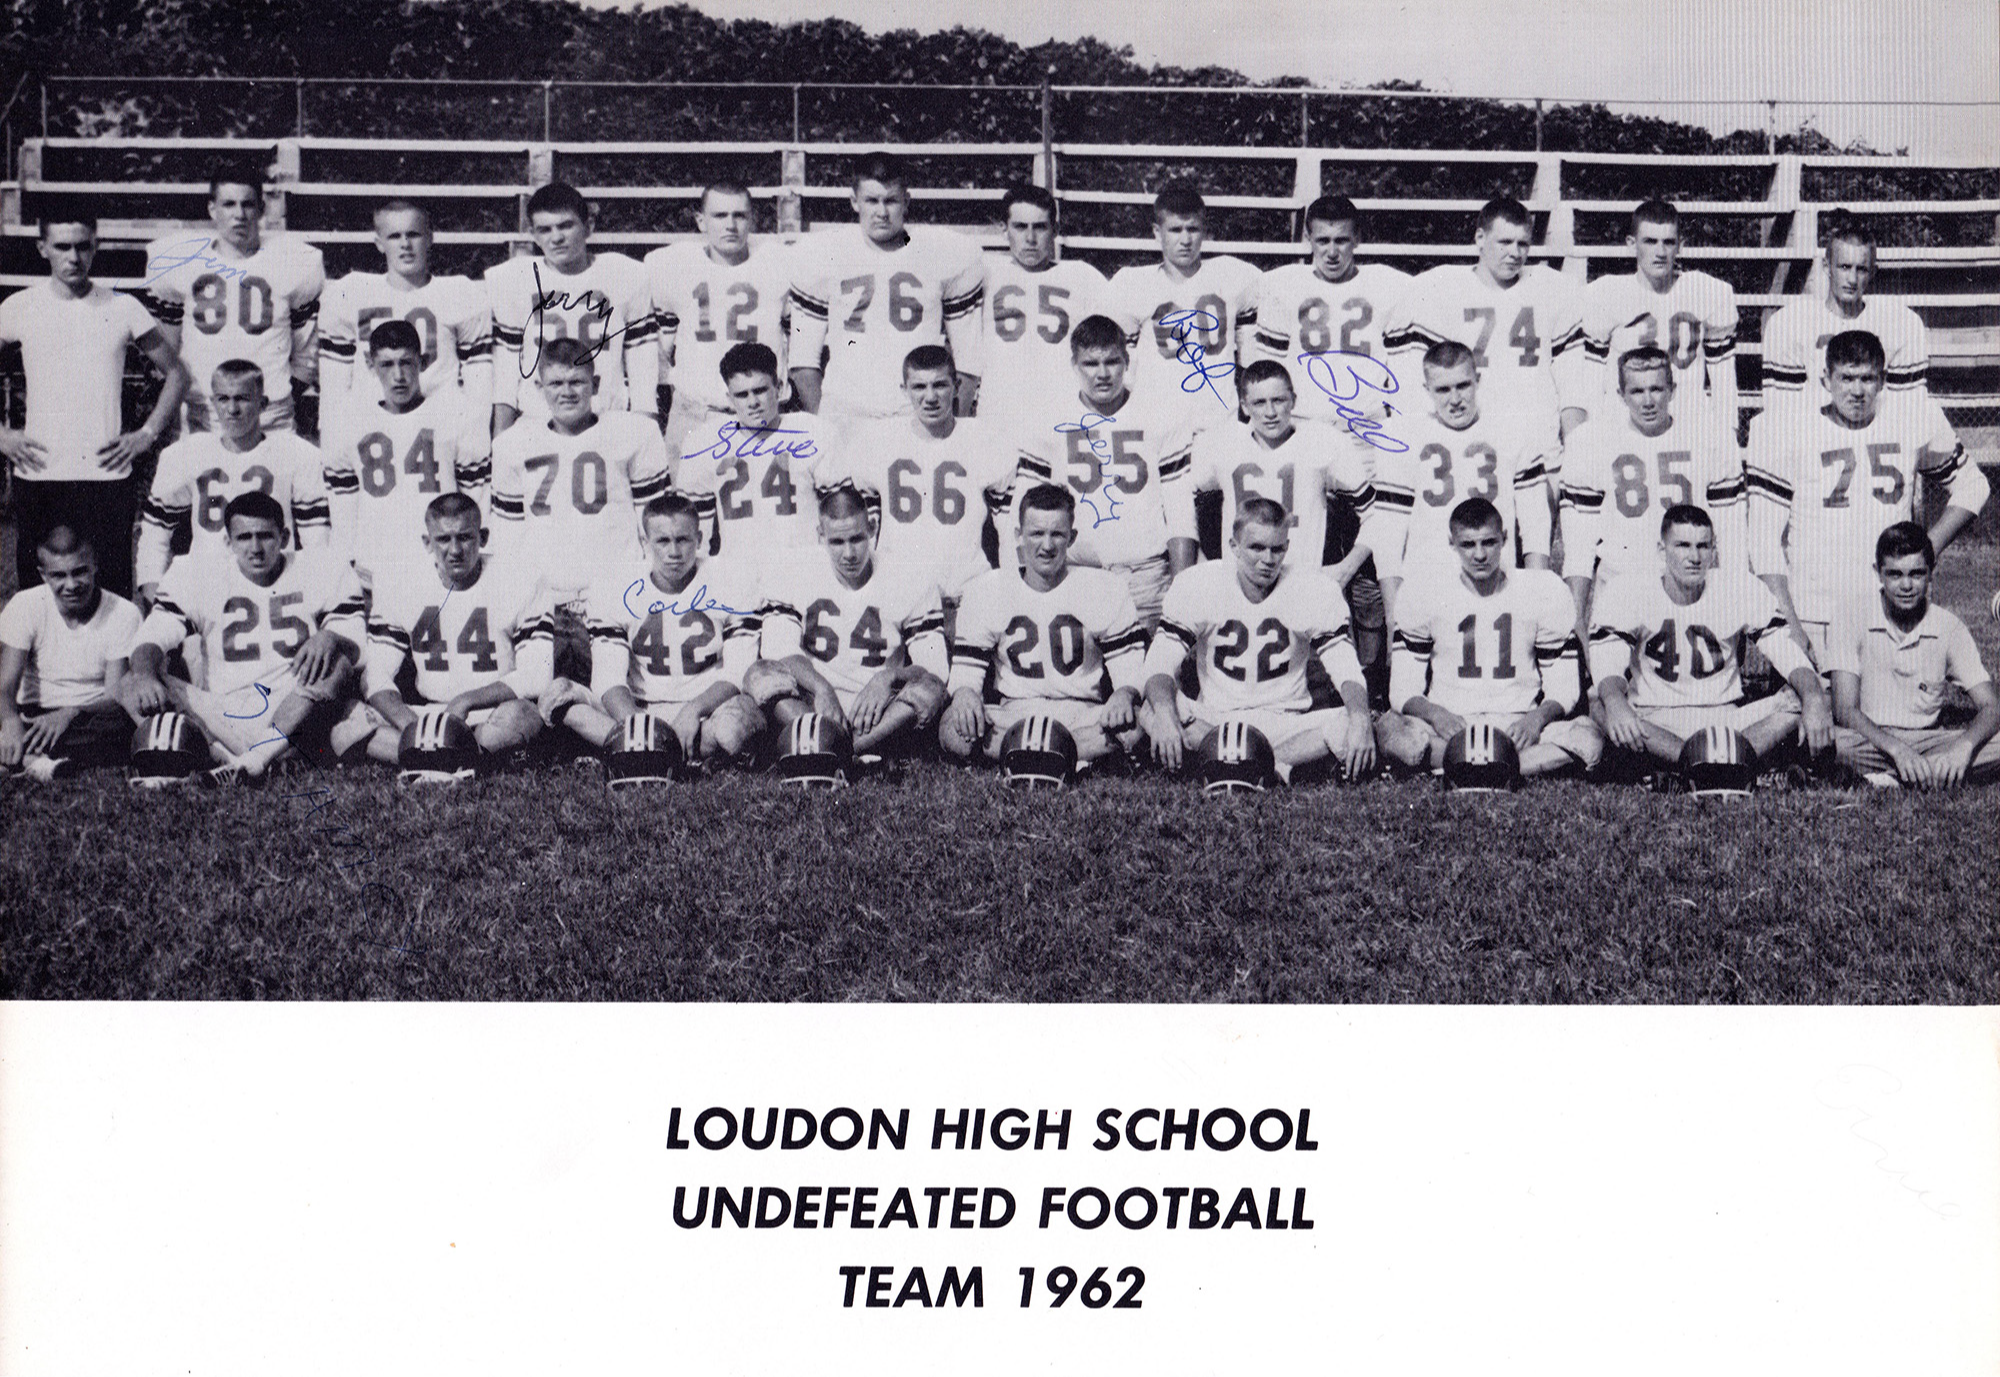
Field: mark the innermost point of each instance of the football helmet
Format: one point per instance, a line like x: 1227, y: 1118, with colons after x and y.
x: 813, y: 753
x: 437, y: 748
x: 1236, y: 756
x: 1037, y: 753
x: 167, y: 749
x: 1717, y: 762
x: 1482, y: 759
x: 645, y: 751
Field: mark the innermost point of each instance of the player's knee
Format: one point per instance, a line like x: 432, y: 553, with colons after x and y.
x: 512, y: 724
x: 732, y: 728
x: 766, y: 683
x: 926, y: 697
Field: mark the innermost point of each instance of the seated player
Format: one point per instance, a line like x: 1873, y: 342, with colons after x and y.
x: 1666, y: 653
x: 281, y: 633
x: 476, y: 633
x: 1251, y: 621
x: 199, y: 475
x: 1487, y: 643
x: 1327, y: 305
x: 1825, y: 484
x: 757, y: 474
x: 386, y: 460
x: 1890, y: 655
x: 64, y: 646
x: 672, y: 637
x: 858, y: 639
x: 1051, y: 634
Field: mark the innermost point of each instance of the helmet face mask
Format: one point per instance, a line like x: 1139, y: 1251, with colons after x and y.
x: 168, y: 748
x: 813, y: 753
x: 437, y: 748
x: 1718, y: 762
x: 1482, y: 759
x: 645, y: 751
x: 1237, y: 758
x: 1038, y: 752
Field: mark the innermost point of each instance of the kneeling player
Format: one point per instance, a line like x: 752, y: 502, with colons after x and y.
x: 1050, y: 633
x: 856, y: 639
x: 280, y: 635
x: 63, y: 650
x: 673, y: 639
x: 1487, y: 643
x: 479, y: 637
x: 1251, y: 622
x: 1666, y: 650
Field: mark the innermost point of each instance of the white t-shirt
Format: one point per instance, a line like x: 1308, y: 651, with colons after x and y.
x: 66, y: 664
x: 73, y: 352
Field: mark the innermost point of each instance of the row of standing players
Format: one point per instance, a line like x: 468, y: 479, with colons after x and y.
x: 1131, y: 455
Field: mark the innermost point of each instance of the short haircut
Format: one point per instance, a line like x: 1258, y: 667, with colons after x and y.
x: 1655, y: 212
x: 395, y: 334
x: 1844, y: 226
x: 927, y: 357
x: 1021, y: 194
x: 843, y: 502
x: 1259, y: 511
x: 399, y: 206
x: 1856, y: 347
x: 1685, y: 514
x: 1331, y: 210
x: 1049, y: 497
x: 446, y: 506
x: 241, y: 368
x: 1474, y: 514
x: 63, y: 215
x: 1179, y: 198
x: 1264, y: 370
x: 1645, y: 358
x: 252, y: 177
x: 723, y: 186
x: 1097, y: 332
x: 1903, y: 539
x: 750, y: 357
x: 670, y: 506
x: 1447, y: 353
x: 253, y: 506
x: 64, y: 540
x: 1504, y: 208
x: 555, y: 198
x: 567, y: 352
x: 883, y: 167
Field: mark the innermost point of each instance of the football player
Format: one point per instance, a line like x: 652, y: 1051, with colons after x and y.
x: 1666, y: 653
x: 384, y: 463
x: 1824, y: 485
x: 864, y: 295
x: 477, y: 636
x: 858, y: 639
x: 1032, y: 300
x: 64, y: 646
x: 1686, y: 313
x: 570, y: 291
x: 450, y: 315
x: 1051, y: 634
x: 728, y: 291
x: 1328, y: 304
x: 1796, y: 335
x: 1194, y: 312
x: 245, y: 295
x: 1119, y: 451
x: 200, y: 474
x: 932, y: 480
x: 281, y: 633
x: 71, y: 461
x: 1890, y: 654
x: 1250, y: 622
x: 672, y: 636
x: 1519, y: 320
x: 1487, y: 642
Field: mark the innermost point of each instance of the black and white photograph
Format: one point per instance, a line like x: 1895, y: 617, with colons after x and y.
x: 676, y: 679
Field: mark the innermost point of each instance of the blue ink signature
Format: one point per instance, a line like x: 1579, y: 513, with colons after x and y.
x: 722, y: 449
x: 697, y: 601
x: 1201, y: 374
x: 596, y: 302
x: 263, y: 708
x: 1084, y: 426
x: 1320, y: 369
x: 160, y: 267
x: 1112, y: 515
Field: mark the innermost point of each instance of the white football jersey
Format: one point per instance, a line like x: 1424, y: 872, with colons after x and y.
x: 670, y: 647
x: 199, y: 475
x: 609, y: 306
x: 1163, y: 313
x: 1056, y: 644
x: 853, y: 634
x: 1500, y: 654
x: 705, y: 308
x: 461, y: 639
x: 569, y: 504
x: 1687, y: 655
x: 263, y: 308
x: 1300, y: 312
x: 929, y: 497
x: 1029, y: 316
x: 453, y: 321
x: 66, y: 664
x: 249, y: 631
x: 1795, y: 339
x: 1119, y: 467
x: 1308, y: 467
x: 1253, y: 654
x: 868, y: 307
x: 383, y: 469
x: 1617, y: 484
x: 1500, y: 457
x: 1526, y: 338
x: 760, y: 487
x: 1694, y: 320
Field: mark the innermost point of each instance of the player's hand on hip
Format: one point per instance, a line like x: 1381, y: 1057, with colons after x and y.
x: 24, y: 454
x: 117, y: 456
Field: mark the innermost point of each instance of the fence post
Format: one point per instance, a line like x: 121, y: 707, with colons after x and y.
x: 1538, y: 124
x: 43, y: 83
x: 795, y: 114
x: 1770, y: 127
x: 791, y: 179
x: 1305, y: 120
x: 1048, y: 131
x: 299, y: 92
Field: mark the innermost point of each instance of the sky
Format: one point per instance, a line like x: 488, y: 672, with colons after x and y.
x: 1742, y: 51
